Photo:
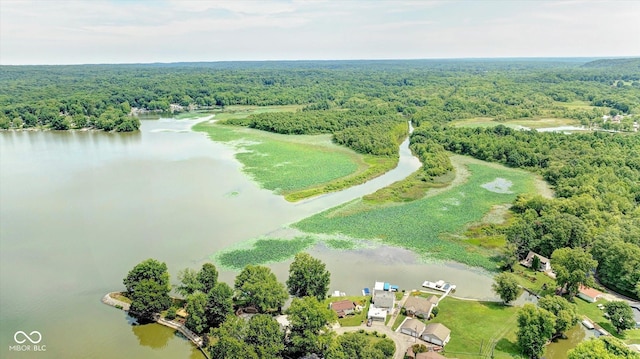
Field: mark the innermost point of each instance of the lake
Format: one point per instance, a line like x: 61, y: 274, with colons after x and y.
x: 79, y: 209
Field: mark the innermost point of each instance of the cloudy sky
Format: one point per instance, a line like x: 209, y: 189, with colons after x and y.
x: 132, y: 31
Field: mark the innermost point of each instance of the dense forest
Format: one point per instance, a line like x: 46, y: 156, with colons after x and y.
x: 365, y: 105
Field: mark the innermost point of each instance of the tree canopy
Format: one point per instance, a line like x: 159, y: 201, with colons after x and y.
x: 506, y: 286
x: 257, y: 286
x: 308, y: 276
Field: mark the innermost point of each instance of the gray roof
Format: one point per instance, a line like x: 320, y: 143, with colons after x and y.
x: 383, y: 299
x: 418, y: 304
x: 414, y: 324
x: 437, y: 330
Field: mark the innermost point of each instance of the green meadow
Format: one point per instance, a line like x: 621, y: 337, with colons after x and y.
x: 430, y: 226
x: 286, y: 163
x: 533, y: 123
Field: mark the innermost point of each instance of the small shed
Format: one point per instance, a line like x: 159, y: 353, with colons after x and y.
x: 412, y: 327
x: 436, y: 333
x: 589, y: 294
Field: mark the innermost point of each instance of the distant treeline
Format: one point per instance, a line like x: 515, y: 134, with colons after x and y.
x: 63, y: 97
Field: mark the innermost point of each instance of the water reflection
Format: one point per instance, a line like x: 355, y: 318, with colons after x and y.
x: 153, y: 335
x: 559, y: 348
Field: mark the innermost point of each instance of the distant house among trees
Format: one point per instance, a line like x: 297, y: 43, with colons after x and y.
x: 532, y: 260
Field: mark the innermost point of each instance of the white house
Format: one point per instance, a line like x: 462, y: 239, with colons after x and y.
x: 545, y: 263
x: 589, y: 294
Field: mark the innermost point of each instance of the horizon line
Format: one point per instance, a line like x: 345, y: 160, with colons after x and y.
x: 595, y: 57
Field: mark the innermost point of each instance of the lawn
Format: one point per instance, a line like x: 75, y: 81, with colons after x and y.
x: 477, y: 326
x: 354, y: 320
x: 120, y: 296
x: 421, y: 225
x: 594, y: 313
x: 534, y: 280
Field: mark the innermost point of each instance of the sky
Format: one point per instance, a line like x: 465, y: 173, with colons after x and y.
x: 145, y: 31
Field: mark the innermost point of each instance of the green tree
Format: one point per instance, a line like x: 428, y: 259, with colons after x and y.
x: 196, y: 307
x: 219, y: 304
x: 506, y: 286
x: 605, y: 347
x: 535, y: 263
x: 189, y: 283
x: 564, y: 311
x: 232, y: 348
x: 265, y: 336
x: 231, y: 340
x: 148, y: 288
x: 535, y: 328
x: 308, y: 276
x: 150, y: 269
x: 148, y: 298
x: 386, y: 346
x: 620, y: 315
x: 573, y: 267
x: 258, y: 287
x: 208, y: 277
x: 308, y: 324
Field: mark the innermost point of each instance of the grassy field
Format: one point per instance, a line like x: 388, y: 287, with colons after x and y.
x: 534, y: 280
x: 262, y: 251
x: 517, y: 124
x: 476, y: 326
x: 421, y: 225
x: 297, y: 167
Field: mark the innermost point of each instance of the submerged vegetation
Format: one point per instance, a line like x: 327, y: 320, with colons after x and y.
x: 263, y: 251
x: 421, y: 225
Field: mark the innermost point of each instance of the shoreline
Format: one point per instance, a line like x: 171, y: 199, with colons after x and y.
x: 191, y: 336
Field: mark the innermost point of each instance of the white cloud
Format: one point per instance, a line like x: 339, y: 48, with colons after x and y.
x: 40, y: 31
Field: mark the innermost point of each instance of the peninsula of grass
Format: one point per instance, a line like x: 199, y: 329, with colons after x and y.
x: 297, y: 166
x: 471, y: 339
x: 262, y: 251
x: 427, y: 226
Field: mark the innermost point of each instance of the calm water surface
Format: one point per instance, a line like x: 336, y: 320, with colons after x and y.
x: 79, y: 209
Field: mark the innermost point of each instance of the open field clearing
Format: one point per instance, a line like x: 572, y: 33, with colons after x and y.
x: 517, y: 124
x: 421, y: 225
x: 468, y: 339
